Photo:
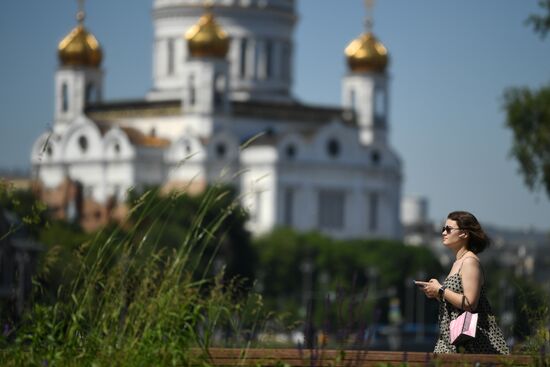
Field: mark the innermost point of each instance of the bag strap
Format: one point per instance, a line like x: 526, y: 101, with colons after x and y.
x: 464, y: 299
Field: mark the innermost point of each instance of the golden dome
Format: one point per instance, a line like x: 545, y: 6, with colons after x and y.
x: 207, y: 39
x: 367, y: 54
x: 79, y: 48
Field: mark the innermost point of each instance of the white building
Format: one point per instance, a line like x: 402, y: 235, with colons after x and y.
x: 221, y: 76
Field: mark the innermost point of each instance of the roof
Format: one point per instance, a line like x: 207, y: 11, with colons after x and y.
x: 294, y: 111
x: 132, y: 108
x: 276, y: 111
x: 135, y: 136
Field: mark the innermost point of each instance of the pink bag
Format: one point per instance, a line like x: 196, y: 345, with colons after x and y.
x: 463, y: 327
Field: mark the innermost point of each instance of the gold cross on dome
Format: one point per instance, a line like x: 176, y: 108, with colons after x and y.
x: 369, y: 5
x: 80, y: 14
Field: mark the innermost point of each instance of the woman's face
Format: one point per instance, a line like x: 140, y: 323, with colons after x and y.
x: 453, y: 237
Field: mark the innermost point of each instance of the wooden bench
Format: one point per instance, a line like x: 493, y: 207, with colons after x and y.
x: 326, y: 357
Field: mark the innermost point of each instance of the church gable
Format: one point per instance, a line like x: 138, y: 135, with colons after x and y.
x: 82, y: 142
x: 117, y: 146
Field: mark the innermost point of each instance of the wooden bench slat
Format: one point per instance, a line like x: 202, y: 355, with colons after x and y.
x: 330, y: 357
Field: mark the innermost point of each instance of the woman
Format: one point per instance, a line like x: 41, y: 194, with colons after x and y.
x: 464, y: 288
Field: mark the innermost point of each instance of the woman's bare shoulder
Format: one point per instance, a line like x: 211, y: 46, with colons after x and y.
x: 471, y: 256
x: 470, y: 262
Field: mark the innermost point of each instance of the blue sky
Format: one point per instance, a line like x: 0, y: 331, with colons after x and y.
x: 450, y: 63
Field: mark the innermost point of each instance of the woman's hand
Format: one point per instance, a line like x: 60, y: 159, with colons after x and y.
x: 430, y: 288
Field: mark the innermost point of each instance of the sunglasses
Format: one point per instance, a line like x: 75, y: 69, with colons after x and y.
x: 448, y: 229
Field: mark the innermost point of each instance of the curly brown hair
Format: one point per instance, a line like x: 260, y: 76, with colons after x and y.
x: 478, y: 239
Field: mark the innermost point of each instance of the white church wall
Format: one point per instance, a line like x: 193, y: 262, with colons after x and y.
x: 292, y: 147
x: 46, y: 160
x: 386, y: 193
x: 47, y: 149
x: 346, y: 177
x: 360, y: 92
x: 51, y: 175
x: 82, y: 151
x: 82, y: 142
x: 197, y: 125
x: 310, y: 185
x: 117, y: 147
x: 223, y: 152
x: 74, y: 87
x: 150, y: 170
x: 167, y: 73
x: 119, y: 164
x: 92, y: 177
x: 335, y: 143
x: 248, y: 127
x: 119, y: 178
x: 185, y: 160
x: 258, y: 183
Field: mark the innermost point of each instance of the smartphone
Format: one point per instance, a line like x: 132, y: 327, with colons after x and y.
x: 419, y: 284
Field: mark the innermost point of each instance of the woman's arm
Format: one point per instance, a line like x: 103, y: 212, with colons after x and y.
x: 471, y: 283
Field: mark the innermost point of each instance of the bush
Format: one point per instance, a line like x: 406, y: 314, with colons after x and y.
x: 131, y: 300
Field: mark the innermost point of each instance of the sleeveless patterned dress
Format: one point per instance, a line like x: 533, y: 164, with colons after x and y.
x: 489, y: 338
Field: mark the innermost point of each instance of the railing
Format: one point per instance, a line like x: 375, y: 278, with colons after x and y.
x: 353, y: 358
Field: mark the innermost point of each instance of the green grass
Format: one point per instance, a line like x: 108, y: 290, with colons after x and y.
x: 133, y: 304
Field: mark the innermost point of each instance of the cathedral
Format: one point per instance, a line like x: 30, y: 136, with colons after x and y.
x: 221, y: 110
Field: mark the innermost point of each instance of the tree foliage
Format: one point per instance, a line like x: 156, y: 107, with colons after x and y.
x: 292, y: 261
x: 528, y: 117
x: 131, y: 299
x: 172, y: 220
x: 211, y: 225
x: 541, y: 23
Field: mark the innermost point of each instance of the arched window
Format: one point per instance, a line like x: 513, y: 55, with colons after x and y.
x: 219, y: 82
x: 83, y: 143
x: 221, y: 150
x: 379, y: 103
x: 352, y: 98
x: 90, y: 93
x: 285, y: 61
x: 333, y: 148
x: 192, y: 90
x: 379, y: 108
x: 244, y: 46
x: 188, y: 148
x: 290, y: 151
x: 170, y: 55
x: 268, y: 59
x: 376, y: 157
x: 373, y: 211
x: 64, y: 97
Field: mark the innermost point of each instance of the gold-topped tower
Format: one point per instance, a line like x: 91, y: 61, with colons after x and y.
x: 206, y: 38
x: 366, y: 53
x: 80, y: 47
